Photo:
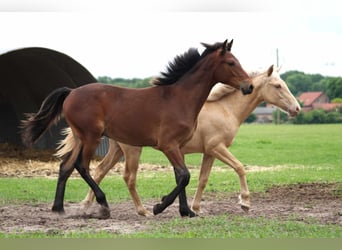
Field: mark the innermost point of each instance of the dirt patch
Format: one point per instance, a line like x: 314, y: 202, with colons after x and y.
x: 318, y: 202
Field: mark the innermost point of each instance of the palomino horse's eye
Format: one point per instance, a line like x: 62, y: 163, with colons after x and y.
x: 277, y: 86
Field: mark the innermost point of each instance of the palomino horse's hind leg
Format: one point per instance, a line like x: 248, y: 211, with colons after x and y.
x: 99, y: 194
x: 65, y: 171
x: 207, y: 163
x: 132, y: 156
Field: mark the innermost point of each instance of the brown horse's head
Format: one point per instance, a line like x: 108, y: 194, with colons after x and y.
x: 228, y: 68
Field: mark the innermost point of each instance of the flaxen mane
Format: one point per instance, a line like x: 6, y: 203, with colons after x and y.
x: 221, y: 90
x: 218, y: 91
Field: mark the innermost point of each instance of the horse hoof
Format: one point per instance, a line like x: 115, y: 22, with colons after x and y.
x: 145, y: 213
x: 244, y: 204
x: 59, y: 211
x: 188, y: 213
x: 85, y: 204
x: 245, y: 208
x: 157, y: 209
x: 104, y: 213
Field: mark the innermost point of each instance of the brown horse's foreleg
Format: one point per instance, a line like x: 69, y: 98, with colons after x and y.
x: 182, y: 175
x: 207, y: 163
x: 112, y: 157
x: 221, y: 153
x: 184, y: 209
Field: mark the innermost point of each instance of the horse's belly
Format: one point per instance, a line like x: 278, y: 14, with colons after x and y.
x: 134, y: 136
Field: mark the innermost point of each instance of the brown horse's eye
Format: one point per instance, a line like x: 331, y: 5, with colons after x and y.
x: 231, y: 63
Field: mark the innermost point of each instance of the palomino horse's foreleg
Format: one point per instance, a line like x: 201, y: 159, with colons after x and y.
x: 207, y: 163
x: 112, y: 157
x: 99, y: 194
x: 220, y: 152
x: 182, y: 175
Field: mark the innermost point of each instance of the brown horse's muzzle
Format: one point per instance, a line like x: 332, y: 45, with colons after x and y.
x: 247, y: 88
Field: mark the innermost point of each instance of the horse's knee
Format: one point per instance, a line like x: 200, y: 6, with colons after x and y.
x: 203, y: 182
x: 240, y: 170
x: 182, y: 176
x: 130, y: 180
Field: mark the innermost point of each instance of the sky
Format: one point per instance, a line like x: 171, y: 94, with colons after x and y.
x: 138, y: 38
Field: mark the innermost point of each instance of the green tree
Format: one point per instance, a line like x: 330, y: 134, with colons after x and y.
x: 334, y: 87
x: 251, y: 118
x: 283, y: 117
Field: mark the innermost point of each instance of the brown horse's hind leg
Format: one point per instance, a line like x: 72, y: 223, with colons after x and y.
x: 112, y: 157
x: 65, y: 171
x: 84, y: 172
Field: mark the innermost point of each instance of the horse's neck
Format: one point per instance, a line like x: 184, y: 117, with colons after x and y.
x: 196, y: 88
x: 241, y: 106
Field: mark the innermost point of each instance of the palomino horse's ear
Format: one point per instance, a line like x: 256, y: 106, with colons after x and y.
x: 278, y: 69
x: 270, y: 70
x: 224, y: 47
x: 230, y: 44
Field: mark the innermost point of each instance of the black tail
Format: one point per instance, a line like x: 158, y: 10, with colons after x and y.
x: 50, y: 111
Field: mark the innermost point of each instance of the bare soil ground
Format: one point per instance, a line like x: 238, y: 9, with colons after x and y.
x: 319, y: 202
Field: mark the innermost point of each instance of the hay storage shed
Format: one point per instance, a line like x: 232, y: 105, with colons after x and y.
x: 27, y: 76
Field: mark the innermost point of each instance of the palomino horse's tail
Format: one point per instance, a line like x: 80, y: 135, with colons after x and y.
x: 69, y: 143
x: 50, y: 111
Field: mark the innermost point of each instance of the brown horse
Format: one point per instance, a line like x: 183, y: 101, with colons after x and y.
x: 162, y: 116
x: 218, y: 124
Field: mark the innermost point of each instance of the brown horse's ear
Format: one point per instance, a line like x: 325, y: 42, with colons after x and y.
x: 270, y: 70
x: 230, y: 44
x: 224, y: 47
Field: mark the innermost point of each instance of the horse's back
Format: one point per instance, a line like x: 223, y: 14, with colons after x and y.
x: 121, y: 113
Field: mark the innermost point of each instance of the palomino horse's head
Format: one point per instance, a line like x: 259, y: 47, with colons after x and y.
x: 228, y: 68
x: 275, y: 91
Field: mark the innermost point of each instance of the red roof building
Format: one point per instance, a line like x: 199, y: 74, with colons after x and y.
x: 316, y: 100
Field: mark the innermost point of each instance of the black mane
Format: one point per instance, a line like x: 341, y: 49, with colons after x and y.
x: 182, y: 64
x: 178, y: 67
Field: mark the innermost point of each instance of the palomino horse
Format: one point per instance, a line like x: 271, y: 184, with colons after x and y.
x: 162, y: 116
x: 218, y: 124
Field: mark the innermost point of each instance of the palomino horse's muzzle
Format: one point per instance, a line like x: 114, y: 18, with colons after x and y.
x: 247, y: 88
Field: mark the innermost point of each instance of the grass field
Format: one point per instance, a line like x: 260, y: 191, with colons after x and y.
x: 296, y: 154
x: 270, y: 145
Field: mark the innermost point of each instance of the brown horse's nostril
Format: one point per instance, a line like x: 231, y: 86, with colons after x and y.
x: 251, y: 87
x: 248, y: 90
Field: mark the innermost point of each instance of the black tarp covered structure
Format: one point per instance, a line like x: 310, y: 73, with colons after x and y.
x: 27, y: 76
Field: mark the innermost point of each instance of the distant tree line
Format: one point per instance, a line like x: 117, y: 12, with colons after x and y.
x: 129, y: 83
x: 297, y: 81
